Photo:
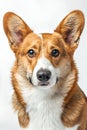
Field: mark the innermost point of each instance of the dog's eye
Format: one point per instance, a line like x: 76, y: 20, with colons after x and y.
x: 31, y: 53
x: 55, y: 53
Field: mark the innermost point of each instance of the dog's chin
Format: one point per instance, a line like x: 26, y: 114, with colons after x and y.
x: 43, y: 85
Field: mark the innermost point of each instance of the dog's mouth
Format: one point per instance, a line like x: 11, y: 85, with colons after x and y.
x: 39, y: 83
x: 43, y: 84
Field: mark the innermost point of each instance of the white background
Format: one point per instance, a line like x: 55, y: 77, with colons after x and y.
x: 41, y: 16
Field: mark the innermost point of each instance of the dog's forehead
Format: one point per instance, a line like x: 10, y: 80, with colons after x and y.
x: 43, y: 40
x: 50, y: 37
x: 44, y: 37
x: 51, y: 40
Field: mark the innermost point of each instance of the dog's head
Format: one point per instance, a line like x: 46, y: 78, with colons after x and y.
x: 44, y: 59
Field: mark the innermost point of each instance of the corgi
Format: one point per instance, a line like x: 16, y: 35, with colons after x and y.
x: 44, y: 76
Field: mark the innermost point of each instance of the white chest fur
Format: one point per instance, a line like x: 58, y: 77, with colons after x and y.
x: 44, y: 110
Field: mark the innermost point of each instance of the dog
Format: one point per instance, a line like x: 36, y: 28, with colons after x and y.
x: 44, y: 76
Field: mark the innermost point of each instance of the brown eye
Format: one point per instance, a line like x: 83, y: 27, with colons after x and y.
x: 55, y: 53
x: 31, y: 53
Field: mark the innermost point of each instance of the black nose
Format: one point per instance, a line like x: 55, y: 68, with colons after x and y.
x: 43, y: 75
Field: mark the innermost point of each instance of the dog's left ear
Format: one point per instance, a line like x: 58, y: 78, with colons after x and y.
x: 16, y: 29
x: 71, y: 28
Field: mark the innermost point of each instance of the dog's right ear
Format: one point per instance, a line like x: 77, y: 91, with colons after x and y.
x: 16, y: 29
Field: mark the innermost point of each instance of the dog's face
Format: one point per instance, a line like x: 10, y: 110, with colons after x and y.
x: 44, y: 59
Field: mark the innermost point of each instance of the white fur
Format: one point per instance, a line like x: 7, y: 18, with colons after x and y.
x: 44, y: 106
x: 73, y: 128
x: 45, y: 64
x: 40, y: 35
x: 45, y: 110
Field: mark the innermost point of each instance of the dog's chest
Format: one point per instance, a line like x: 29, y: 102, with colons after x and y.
x: 45, y: 112
x: 45, y: 115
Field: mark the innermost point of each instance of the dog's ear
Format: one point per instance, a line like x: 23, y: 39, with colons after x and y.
x: 71, y: 27
x: 16, y: 29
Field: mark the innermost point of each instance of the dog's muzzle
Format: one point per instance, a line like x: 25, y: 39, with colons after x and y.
x: 43, y: 76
